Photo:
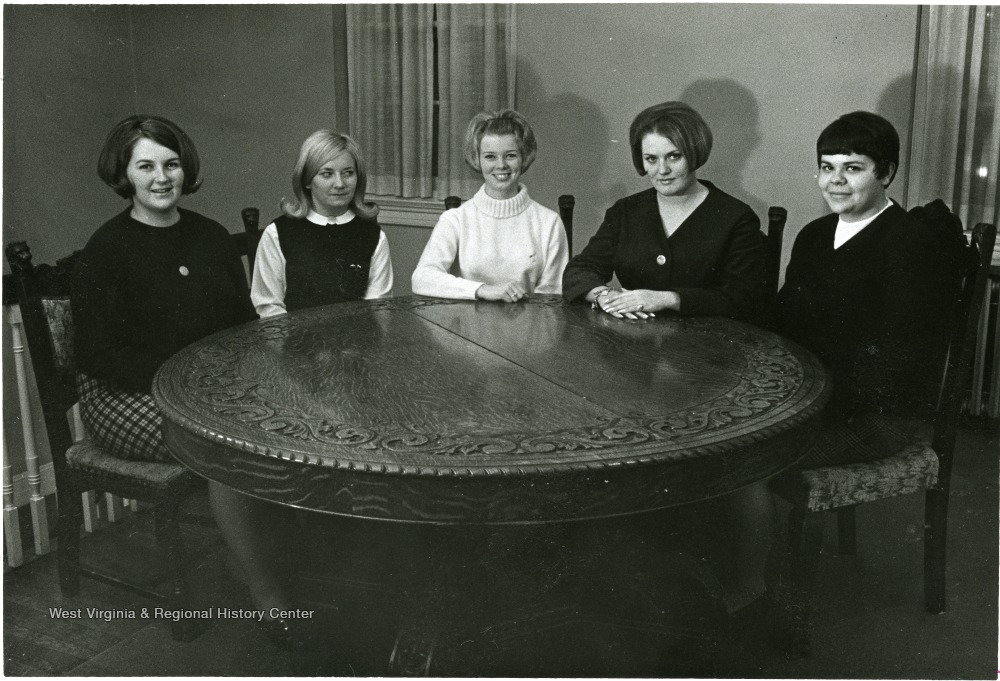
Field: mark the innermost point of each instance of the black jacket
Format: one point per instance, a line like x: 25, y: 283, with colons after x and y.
x: 714, y: 260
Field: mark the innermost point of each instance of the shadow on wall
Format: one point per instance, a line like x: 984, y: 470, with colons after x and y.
x: 732, y: 114
x: 573, y: 144
x: 895, y: 105
x: 925, y: 183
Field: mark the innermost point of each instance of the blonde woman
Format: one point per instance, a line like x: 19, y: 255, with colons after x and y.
x: 326, y: 247
x: 500, y: 245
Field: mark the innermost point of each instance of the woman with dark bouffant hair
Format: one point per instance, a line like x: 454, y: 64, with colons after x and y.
x: 150, y: 281
x: 327, y: 247
x: 500, y: 245
x: 683, y: 245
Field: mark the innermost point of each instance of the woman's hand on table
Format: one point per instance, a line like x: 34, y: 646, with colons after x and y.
x: 511, y: 292
x: 638, y: 303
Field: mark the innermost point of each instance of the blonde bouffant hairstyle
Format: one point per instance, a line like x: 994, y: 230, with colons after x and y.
x: 506, y: 122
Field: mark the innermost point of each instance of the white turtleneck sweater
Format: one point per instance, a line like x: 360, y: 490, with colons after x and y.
x: 490, y: 241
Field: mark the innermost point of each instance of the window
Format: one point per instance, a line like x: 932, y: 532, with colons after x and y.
x: 416, y: 75
x: 955, y: 154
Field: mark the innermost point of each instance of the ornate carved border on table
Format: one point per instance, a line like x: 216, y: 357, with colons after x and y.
x: 541, y: 469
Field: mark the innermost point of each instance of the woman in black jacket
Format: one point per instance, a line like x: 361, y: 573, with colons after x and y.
x: 684, y: 244
x: 687, y: 247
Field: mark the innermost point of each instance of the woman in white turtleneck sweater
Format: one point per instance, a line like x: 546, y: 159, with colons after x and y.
x: 501, y: 245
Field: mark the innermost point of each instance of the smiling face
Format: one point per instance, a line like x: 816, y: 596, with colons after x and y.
x: 666, y: 167
x: 851, y: 187
x: 500, y: 160
x: 156, y: 174
x: 332, y: 187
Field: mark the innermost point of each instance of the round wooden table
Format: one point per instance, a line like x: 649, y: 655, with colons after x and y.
x: 487, y: 425
x: 451, y: 412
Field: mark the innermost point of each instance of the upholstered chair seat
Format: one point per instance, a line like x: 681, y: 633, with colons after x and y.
x: 911, y: 469
x: 87, y: 457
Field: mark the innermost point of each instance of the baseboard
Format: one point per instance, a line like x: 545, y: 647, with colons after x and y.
x: 22, y: 493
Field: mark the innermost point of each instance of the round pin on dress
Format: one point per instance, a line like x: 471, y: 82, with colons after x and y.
x: 184, y: 271
x: 661, y: 260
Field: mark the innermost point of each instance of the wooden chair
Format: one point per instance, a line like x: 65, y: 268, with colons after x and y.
x: 247, y: 240
x: 776, y: 218
x: 566, y: 205
x: 43, y: 295
x: 918, y: 466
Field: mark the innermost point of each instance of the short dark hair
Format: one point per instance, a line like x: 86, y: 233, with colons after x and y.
x: 679, y: 123
x: 112, y: 165
x: 506, y: 122
x: 862, y: 132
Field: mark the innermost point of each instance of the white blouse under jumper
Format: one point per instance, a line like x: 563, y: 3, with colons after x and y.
x: 268, y: 289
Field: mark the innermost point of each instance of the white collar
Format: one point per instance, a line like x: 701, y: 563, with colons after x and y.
x: 341, y: 219
x: 847, y: 230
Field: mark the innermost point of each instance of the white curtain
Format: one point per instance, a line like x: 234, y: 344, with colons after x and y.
x: 412, y: 136
x: 955, y: 152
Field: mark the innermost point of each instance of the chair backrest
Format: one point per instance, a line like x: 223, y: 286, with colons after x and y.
x: 42, y: 294
x: 247, y: 241
x: 975, y: 281
x: 566, y: 204
x: 776, y: 218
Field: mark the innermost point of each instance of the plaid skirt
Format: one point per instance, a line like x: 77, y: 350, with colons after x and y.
x: 124, y: 424
x: 864, y: 438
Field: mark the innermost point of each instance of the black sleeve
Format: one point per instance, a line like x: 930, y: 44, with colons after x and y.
x: 784, y: 319
x: 797, y: 269
x: 594, y: 265
x: 740, y: 282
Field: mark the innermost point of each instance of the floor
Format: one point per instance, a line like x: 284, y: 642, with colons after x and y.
x: 870, y: 622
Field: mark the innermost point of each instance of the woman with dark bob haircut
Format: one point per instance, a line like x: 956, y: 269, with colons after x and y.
x: 863, y: 292
x: 500, y: 245
x: 150, y: 281
x: 683, y: 245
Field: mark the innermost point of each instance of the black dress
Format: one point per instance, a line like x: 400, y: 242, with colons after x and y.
x: 714, y: 260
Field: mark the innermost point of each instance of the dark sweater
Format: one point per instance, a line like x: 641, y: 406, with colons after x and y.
x: 714, y: 260
x: 325, y: 264
x: 132, y: 306
x: 876, y: 311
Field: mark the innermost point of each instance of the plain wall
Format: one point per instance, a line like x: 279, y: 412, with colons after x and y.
x: 67, y: 80
x: 767, y: 79
x: 247, y: 83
